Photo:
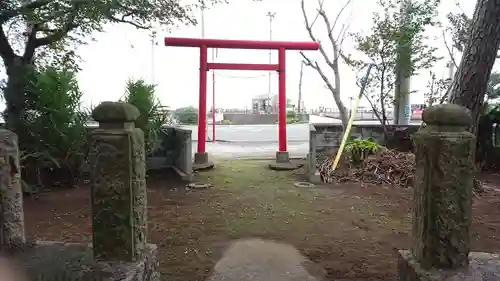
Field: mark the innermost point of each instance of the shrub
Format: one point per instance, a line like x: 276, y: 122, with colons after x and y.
x: 360, y: 149
x: 290, y: 114
x: 54, y: 135
x: 187, y: 115
x: 142, y: 95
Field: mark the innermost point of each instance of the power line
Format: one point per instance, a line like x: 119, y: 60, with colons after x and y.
x: 240, y: 77
x: 153, y: 44
x: 271, y: 16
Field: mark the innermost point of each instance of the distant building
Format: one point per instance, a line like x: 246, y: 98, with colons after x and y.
x: 269, y: 104
x: 261, y: 104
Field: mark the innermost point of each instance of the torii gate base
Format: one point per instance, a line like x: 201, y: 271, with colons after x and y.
x: 201, y: 159
x: 202, y: 162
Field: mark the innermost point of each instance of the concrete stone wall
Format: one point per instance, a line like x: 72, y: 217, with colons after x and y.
x: 328, y: 136
x: 324, y: 139
x: 251, y: 119
x: 173, y: 150
x: 257, y: 119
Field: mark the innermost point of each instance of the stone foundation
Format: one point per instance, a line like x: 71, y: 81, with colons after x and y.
x: 53, y: 261
x: 282, y: 157
x: 144, y: 269
x: 482, y: 267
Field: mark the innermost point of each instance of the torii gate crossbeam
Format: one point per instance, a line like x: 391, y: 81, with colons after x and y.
x: 282, y: 156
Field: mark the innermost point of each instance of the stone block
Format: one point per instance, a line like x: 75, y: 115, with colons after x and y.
x: 201, y: 162
x: 144, y: 269
x: 115, y: 112
x: 12, y: 234
x: 54, y: 261
x: 282, y: 157
x: 118, y: 187
x: 200, y: 157
x: 481, y: 267
x: 444, y: 157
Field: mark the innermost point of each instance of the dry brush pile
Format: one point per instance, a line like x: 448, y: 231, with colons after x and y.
x: 384, y: 166
x: 367, y: 162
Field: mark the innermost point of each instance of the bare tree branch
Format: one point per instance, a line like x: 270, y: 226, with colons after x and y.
x: 315, y: 66
x: 333, y: 63
x: 320, y: 3
x: 330, y: 36
x: 450, y: 53
x: 313, y: 38
x: 374, y: 108
x: 337, y: 17
x: 342, y: 34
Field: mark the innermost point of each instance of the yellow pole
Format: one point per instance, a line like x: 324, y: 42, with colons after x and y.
x: 351, y: 120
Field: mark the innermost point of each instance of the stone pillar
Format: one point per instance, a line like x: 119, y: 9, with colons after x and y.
x: 444, y: 176
x: 118, y: 184
x: 444, y: 180
x: 11, y: 201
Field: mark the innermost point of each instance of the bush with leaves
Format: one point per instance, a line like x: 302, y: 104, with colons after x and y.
x: 360, y: 149
x: 187, y: 115
x: 142, y: 95
x: 398, y: 46
x: 53, y: 135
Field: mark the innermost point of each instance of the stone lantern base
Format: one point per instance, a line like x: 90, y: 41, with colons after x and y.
x: 47, y: 260
x: 482, y: 267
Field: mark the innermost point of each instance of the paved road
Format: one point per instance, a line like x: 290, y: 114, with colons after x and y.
x: 254, y: 133
x: 296, y: 133
x: 254, y: 150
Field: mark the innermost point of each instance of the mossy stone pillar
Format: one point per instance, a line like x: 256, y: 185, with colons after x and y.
x: 443, y: 188
x: 118, y: 184
x: 12, y: 232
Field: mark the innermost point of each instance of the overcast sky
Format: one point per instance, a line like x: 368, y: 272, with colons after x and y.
x: 122, y: 52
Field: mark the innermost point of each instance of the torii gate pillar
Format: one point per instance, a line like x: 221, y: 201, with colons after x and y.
x: 201, y: 159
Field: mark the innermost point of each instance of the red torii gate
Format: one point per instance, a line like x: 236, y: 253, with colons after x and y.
x: 201, y: 156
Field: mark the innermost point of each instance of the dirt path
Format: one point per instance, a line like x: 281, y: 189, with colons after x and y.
x: 353, y: 233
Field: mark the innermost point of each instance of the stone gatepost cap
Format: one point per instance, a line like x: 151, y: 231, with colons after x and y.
x: 115, y: 112
x: 447, y: 115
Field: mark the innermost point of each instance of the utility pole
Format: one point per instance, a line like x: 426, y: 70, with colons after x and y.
x: 271, y: 16
x: 203, y: 21
x: 214, y: 54
x: 299, y: 106
x: 153, y: 43
x: 402, y: 108
x: 451, y: 73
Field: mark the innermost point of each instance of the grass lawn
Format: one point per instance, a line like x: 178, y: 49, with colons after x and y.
x: 351, y: 231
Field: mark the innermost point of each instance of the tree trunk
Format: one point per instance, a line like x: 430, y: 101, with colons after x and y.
x: 18, y: 72
x: 471, y: 79
x: 299, y: 107
x: 344, y: 117
x: 484, y: 145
